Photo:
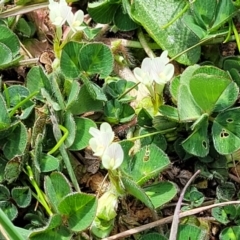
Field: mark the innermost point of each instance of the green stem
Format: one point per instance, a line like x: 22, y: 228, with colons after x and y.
x: 58, y: 135
x: 115, y: 181
x: 136, y: 44
x: 61, y: 141
x: 177, y: 16
x: 21, y: 103
x: 8, y: 227
x: 144, y: 43
x: 236, y: 36
x: 6, y: 95
x: 147, y: 135
x: 129, y: 90
x: 56, y: 42
x: 38, y: 190
x: 229, y: 31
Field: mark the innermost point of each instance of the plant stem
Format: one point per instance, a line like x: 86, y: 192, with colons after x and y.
x: 18, y: 10
x: 21, y: 103
x: 8, y: 227
x: 61, y: 141
x: 58, y: 136
x: 144, y: 43
x: 38, y: 190
x: 177, y: 16
x: 147, y: 135
x: 236, y: 35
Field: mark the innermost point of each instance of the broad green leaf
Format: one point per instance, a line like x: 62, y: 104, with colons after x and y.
x: 9, y: 209
x: 5, y: 55
x: 162, y: 123
x: 56, y: 187
x: 103, y: 11
x: 153, y: 236
x: 186, y: 76
x: 230, y: 233
x: 24, y: 28
x: 158, y: 139
x: 161, y: 193
x: 4, y: 193
x: 22, y: 196
x: 204, y: 12
x: 69, y: 59
x: 70, y: 124
x: 4, y: 116
x: 212, y: 87
x: 79, y: 210
x: 13, y: 169
x: 198, y: 143
x: 228, y: 97
x: 10, y: 39
x: 12, y: 63
x: 60, y: 233
x: 220, y: 215
x: 169, y: 112
x: 190, y: 22
x: 16, y: 94
x: 36, y: 80
x: 48, y: 163
x: 112, y: 111
x: 3, y: 163
x: 144, y: 119
x: 54, y: 230
x: 226, y: 191
x: 191, y: 232
x: 209, y: 70
x: 133, y: 189
x: 96, y: 58
x: 173, y: 88
x: 188, y: 110
x: 122, y: 20
x: 226, y: 131
x: 146, y: 164
x: 176, y: 38
x: 94, y: 90
x: 82, y: 133
x: 73, y: 95
x: 225, y: 11
x: 128, y: 113
x: 16, y: 142
x: 85, y: 103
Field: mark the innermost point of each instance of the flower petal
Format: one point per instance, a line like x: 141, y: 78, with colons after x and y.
x: 113, y: 156
x: 142, y: 76
x: 166, y: 74
x: 75, y: 20
x: 59, y: 12
x: 164, y: 57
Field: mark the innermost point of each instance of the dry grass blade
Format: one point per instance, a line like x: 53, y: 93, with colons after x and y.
x: 175, y: 222
x: 167, y: 220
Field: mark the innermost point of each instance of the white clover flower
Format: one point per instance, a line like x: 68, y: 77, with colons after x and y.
x: 155, y: 69
x: 101, y: 138
x: 59, y: 12
x: 113, y: 156
x: 75, y: 20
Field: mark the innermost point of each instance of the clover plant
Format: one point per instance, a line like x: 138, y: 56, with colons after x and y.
x: 136, y: 113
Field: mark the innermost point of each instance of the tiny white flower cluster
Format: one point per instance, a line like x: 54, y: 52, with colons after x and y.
x: 60, y: 12
x: 103, y: 146
x: 156, y: 69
